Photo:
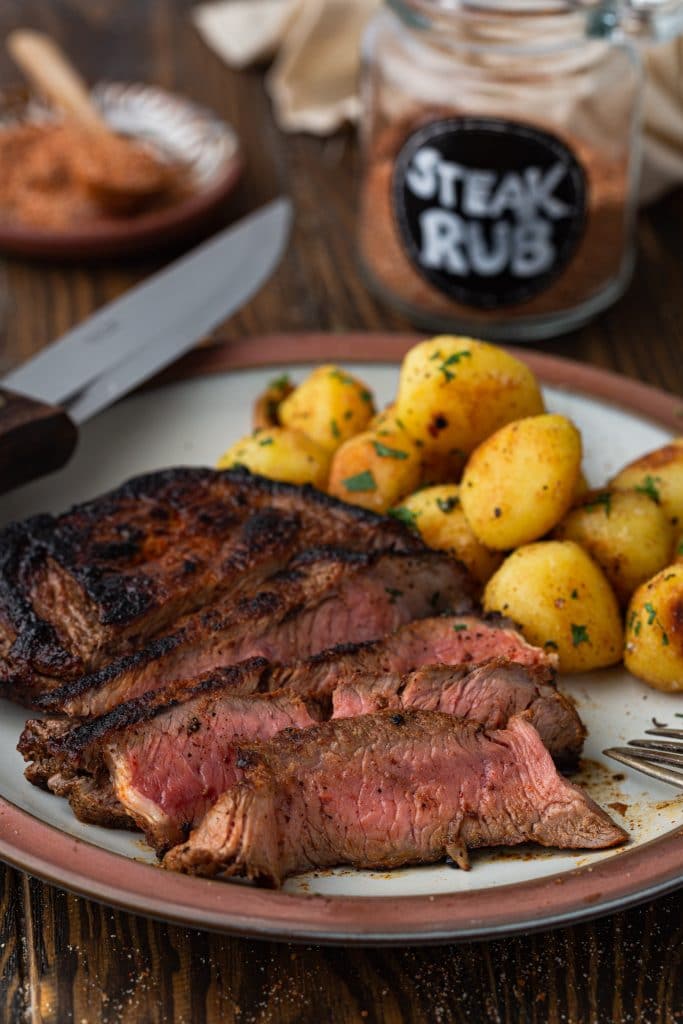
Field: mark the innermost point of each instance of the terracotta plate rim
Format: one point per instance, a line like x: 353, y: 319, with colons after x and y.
x: 622, y: 880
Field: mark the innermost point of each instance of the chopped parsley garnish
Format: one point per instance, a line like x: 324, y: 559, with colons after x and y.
x: 452, y: 360
x: 385, y: 452
x: 348, y: 414
x: 459, y: 627
x: 366, y: 396
x: 334, y: 429
x: 651, y: 612
x: 266, y: 441
x: 637, y: 628
x: 665, y: 639
x: 550, y: 643
x: 364, y: 481
x: 579, y: 635
x: 574, y: 595
x: 649, y: 487
x: 341, y: 376
x: 679, y: 549
x: 604, y: 499
x: 405, y: 516
x: 280, y: 383
x: 447, y: 505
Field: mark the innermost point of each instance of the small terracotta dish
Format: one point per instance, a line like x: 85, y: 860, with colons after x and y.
x: 178, y: 130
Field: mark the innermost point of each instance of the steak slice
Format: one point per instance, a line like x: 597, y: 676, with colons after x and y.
x: 104, y: 577
x: 324, y: 596
x: 158, y: 762
x: 489, y: 694
x: 389, y: 789
x: 446, y: 640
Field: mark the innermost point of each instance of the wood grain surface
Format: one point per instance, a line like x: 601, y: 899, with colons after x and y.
x: 66, y: 959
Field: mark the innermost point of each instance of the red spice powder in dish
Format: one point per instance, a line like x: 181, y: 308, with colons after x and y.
x: 47, y: 172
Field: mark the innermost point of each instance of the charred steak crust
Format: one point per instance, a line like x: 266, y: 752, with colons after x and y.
x: 388, y: 789
x: 277, y: 621
x: 133, y: 560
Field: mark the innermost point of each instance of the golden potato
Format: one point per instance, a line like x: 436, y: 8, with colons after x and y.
x: 435, y: 468
x: 654, y: 631
x: 521, y: 481
x: 280, y: 454
x: 626, y: 533
x: 659, y: 475
x: 330, y: 406
x: 437, y: 515
x: 375, y: 469
x: 453, y: 392
x: 562, y: 601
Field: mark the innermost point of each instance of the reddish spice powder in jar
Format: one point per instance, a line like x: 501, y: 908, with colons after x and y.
x: 500, y: 147
x: 597, y: 258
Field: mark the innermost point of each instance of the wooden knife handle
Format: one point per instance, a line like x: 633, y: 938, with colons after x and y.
x: 34, y: 439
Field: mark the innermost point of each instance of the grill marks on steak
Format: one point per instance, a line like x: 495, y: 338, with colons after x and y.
x: 389, y: 789
x: 445, y: 640
x: 324, y: 596
x: 489, y: 694
x: 106, y: 576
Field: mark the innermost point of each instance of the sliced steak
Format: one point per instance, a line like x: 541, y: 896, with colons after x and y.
x: 489, y: 694
x: 158, y: 764
x: 161, y: 778
x: 325, y: 596
x: 389, y: 789
x: 103, y: 578
x: 446, y: 640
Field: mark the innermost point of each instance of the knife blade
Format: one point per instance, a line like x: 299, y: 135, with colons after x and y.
x: 170, y: 311
x: 131, y: 339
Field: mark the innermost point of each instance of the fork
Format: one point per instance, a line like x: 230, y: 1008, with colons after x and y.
x: 652, y: 756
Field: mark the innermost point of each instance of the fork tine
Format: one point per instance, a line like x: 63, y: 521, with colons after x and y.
x: 673, y: 748
x: 663, y: 756
x: 664, y: 731
x: 627, y: 757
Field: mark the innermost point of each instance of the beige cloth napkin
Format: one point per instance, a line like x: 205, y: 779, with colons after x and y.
x: 313, y: 81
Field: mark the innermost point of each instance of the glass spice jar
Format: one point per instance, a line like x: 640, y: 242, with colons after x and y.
x: 500, y: 159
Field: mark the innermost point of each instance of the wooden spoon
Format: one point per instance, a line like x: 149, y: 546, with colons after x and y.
x: 119, y: 174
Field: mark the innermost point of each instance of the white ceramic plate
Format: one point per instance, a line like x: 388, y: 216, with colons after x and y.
x: 192, y: 423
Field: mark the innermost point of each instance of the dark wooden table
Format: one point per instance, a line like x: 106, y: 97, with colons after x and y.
x: 63, y: 958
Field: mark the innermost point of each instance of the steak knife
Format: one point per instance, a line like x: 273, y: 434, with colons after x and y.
x: 129, y: 340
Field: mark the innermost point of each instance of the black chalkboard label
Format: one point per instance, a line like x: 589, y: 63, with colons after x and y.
x: 490, y: 211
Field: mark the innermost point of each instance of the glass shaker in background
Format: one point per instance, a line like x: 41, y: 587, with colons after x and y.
x: 501, y: 152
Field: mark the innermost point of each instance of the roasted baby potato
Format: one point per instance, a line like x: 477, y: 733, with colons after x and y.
x: 520, y: 481
x: 659, y: 475
x: 453, y: 392
x: 280, y: 454
x: 375, y: 469
x: 267, y: 405
x: 437, y: 515
x: 628, y: 535
x: 434, y: 467
x: 654, y: 631
x: 330, y: 406
x: 562, y: 601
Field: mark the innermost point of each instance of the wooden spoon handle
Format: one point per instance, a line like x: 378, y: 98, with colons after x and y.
x: 34, y: 439
x: 50, y: 71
